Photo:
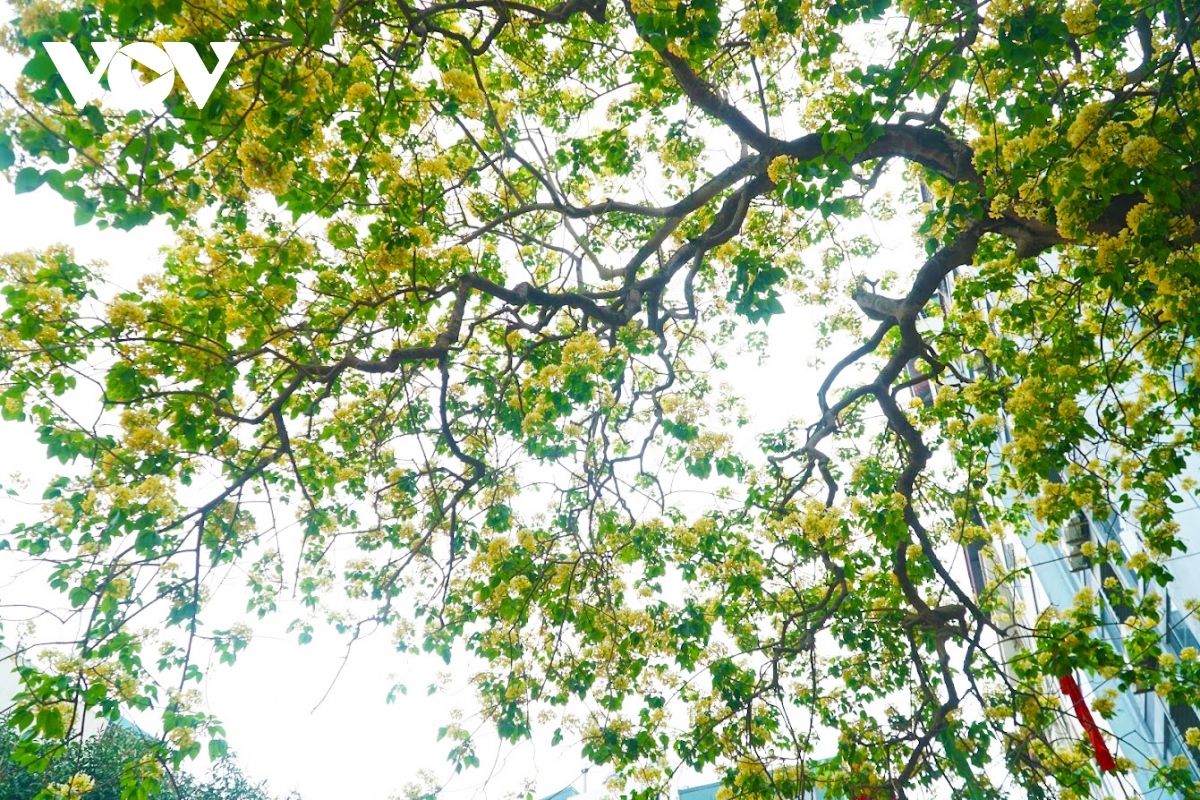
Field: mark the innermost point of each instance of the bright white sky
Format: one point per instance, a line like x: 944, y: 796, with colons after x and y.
x: 354, y: 745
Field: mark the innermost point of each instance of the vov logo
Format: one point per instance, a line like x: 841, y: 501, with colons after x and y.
x: 126, y: 92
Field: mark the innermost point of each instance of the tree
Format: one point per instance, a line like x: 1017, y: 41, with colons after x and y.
x: 114, y: 761
x: 431, y: 254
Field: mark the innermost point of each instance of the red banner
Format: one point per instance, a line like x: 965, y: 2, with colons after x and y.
x: 1071, y: 689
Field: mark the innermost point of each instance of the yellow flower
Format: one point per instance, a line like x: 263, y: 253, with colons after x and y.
x: 80, y: 784
x: 526, y: 539
x: 1141, y: 151
x: 123, y: 313
x: 461, y: 85
x: 778, y: 168
x: 1084, y: 124
x: 182, y: 737
x: 358, y: 92
x: 1136, y: 216
x: 1080, y: 17
x: 261, y: 169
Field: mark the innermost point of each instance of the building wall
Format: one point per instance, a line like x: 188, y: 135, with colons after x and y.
x: 1146, y: 727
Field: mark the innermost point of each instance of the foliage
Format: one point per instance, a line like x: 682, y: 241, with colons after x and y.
x: 111, y: 762
x: 432, y: 256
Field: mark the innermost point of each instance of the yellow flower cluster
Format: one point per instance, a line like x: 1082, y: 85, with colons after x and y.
x: 141, y: 431
x: 584, y: 350
x: 1105, y: 704
x: 1141, y: 151
x: 1080, y: 17
x: 1053, y: 498
x: 80, y: 784
x: 261, y: 168
x: 1138, y: 561
x: 359, y: 92
x: 778, y: 169
x: 155, y: 491
x: 461, y: 86
x: 182, y: 737
x: 1085, y: 124
x: 124, y: 313
x: 108, y: 674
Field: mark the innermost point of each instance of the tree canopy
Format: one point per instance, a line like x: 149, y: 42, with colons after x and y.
x: 118, y: 762
x: 433, y: 254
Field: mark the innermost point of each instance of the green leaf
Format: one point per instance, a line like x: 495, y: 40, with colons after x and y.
x: 40, y: 67
x: 83, y: 214
x: 7, y: 156
x: 79, y: 596
x: 27, y: 180
x: 217, y: 749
